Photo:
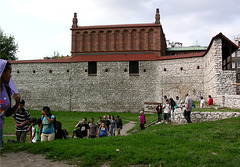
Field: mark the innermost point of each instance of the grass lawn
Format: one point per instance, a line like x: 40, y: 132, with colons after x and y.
x: 214, y: 143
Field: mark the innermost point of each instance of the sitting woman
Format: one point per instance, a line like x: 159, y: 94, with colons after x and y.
x: 103, y: 131
x: 60, y: 134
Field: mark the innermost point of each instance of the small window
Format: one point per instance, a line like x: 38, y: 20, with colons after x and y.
x: 18, y: 71
x: 164, y: 69
x: 50, y: 71
x: 92, y: 68
x: 181, y: 68
x: 125, y: 70
x: 238, y: 88
x: 106, y: 70
x: 238, y: 76
x: 233, y: 66
x: 133, y: 67
x: 238, y: 53
x: 144, y: 70
x: 198, y: 67
x: 67, y: 70
x: 34, y: 71
x: 238, y: 64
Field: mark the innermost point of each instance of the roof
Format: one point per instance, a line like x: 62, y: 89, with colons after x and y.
x: 190, y: 48
x: 110, y: 57
x: 220, y: 35
x: 116, y: 26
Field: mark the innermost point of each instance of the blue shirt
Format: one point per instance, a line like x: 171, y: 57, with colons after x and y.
x: 103, y: 132
x: 48, y: 127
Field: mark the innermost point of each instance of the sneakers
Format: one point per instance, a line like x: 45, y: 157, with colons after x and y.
x: 158, y: 122
x: 166, y: 122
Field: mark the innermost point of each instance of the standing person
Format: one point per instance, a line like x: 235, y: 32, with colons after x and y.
x: 92, y: 129
x: 210, y: 102
x: 6, y: 91
x: 84, y: 128
x: 202, y: 103
x: 21, y: 118
x: 106, y: 122
x: 37, y: 128
x: 99, y: 122
x: 159, y: 112
x: 142, y: 120
x: 165, y: 98
x: 103, y: 130
x: 113, y: 126
x: 47, y: 129
x: 179, y: 102
x: 119, y: 125
x: 188, y: 110
x: 172, y: 105
x: 32, y: 131
x: 167, y: 109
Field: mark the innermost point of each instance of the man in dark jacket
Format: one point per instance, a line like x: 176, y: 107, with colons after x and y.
x: 119, y: 125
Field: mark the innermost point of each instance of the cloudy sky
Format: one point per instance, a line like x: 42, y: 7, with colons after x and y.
x: 41, y: 27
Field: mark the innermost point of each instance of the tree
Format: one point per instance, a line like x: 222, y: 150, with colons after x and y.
x: 8, y: 48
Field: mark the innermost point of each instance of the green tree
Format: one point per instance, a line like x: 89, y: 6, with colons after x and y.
x: 8, y: 48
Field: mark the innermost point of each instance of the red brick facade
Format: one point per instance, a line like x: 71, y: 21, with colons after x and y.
x: 118, y: 38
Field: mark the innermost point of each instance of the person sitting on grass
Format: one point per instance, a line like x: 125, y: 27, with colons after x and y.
x: 103, y: 131
x: 32, y: 131
x: 167, y: 109
x: 60, y: 134
x: 84, y: 129
x: 142, y: 120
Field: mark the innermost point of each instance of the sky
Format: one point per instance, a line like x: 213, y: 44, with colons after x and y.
x: 42, y: 27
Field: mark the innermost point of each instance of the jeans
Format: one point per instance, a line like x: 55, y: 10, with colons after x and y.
x: 1, y: 137
x: 159, y: 116
x: 187, y: 116
x: 112, y: 132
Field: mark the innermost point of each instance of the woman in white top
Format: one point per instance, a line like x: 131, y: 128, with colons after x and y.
x: 202, y: 103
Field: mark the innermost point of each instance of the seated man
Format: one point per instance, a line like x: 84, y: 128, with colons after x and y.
x: 83, y: 132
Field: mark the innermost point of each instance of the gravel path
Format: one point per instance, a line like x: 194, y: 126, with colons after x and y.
x: 23, y: 159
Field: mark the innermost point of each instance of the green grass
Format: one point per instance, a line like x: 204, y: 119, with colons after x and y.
x: 214, y: 143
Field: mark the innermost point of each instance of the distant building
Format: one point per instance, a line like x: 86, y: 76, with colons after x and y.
x: 236, y: 63
x: 120, y: 68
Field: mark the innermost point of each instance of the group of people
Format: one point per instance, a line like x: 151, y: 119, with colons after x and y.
x: 170, y: 105
x: 106, y: 126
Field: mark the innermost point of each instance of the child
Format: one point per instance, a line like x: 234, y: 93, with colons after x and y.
x: 167, y: 109
x: 37, y: 129
x: 159, y: 112
x: 32, y: 131
x: 142, y: 120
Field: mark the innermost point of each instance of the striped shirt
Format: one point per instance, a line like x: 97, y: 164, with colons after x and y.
x: 20, y: 118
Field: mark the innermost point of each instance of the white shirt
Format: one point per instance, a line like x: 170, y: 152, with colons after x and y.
x: 202, y: 103
x: 166, y: 108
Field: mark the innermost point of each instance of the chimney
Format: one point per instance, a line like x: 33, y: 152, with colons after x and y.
x: 157, y: 17
x: 75, y: 21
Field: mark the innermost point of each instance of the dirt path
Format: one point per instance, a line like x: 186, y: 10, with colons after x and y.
x: 23, y: 159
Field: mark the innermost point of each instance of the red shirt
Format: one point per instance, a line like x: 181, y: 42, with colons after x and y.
x: 210, y: 101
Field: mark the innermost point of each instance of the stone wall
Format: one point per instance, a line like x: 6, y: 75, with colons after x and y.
x: 177, y: 116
